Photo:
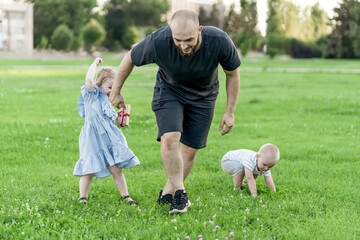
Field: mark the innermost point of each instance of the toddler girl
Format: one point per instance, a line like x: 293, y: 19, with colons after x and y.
x: 103, y: 147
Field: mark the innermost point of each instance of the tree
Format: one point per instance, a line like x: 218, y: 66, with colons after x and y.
x: 344, y: 41
x: 48, y: 14
x: 62, y: 38
x: 148, y: 12
x: 242, y: 27
x: 211, y: 19
x: 116, y: 21
x: 121, y: 14
x: 232, y: 20
x: 93, y: 34
x: 274, y: 31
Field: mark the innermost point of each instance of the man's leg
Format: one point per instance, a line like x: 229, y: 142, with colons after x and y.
x: 173, y: 161
x: 188, y: 156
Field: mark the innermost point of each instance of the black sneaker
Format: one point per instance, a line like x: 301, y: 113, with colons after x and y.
x: 181, y: 202
x: 166, y: 199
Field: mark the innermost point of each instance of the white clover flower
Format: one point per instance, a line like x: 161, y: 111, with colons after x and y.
x: 173, y: 220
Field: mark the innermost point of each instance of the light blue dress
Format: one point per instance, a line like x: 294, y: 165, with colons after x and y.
x: 101, y: 143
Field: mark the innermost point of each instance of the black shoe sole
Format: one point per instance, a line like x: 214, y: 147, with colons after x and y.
x: 181, y: 210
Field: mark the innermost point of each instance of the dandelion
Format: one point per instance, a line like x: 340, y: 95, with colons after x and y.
x: 231, y: 234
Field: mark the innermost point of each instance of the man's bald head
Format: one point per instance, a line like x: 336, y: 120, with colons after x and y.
x: 186, y: 32
x: 184, y: 19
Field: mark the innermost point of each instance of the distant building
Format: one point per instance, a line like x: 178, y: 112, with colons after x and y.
x: 195, y: 6
x: 16, y: 27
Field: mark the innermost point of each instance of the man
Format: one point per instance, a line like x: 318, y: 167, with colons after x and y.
x: 185, y: 93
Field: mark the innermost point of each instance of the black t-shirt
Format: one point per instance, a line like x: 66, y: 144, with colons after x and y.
x: 196, y: 75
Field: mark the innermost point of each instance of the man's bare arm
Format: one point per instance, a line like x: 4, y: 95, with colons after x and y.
x: 232, y: 91
x: 124, y: 70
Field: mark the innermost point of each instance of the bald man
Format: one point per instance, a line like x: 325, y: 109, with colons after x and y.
x: 185, y: 92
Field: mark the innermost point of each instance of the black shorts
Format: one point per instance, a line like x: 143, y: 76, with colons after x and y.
x: 177, y: 113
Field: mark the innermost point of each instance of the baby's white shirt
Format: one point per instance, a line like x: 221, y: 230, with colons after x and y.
x: 247, y: 158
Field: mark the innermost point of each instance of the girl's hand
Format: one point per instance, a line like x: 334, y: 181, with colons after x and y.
x: 98, y: 61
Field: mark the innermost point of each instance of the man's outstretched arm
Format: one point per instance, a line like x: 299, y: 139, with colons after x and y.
x: 124, y: 70
x: 232, y: 91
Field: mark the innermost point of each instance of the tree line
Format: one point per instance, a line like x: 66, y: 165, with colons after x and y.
x: 300, y: 33
x: 68, y: 24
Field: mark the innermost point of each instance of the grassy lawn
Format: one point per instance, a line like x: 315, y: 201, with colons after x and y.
x: 312, y: 117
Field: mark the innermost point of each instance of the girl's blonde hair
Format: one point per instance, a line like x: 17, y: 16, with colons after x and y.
x: 104, y: 74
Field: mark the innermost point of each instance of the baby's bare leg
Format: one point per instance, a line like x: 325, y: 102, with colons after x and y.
x: 84, y: 185
x: 238, y: 180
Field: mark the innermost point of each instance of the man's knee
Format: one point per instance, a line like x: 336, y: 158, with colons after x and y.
x: 170, y: 139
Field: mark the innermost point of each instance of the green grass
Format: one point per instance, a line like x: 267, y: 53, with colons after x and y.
x: 312, y: 117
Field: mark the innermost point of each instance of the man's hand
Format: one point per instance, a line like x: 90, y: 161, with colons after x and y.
x: 227, y: 120
x: 117, y: 100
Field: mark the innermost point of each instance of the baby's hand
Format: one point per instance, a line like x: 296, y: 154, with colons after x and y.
x: 98, y: 61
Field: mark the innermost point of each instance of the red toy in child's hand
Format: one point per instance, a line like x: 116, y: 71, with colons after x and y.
x: 124, y: 116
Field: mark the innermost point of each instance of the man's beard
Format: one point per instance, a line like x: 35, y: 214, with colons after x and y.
x: 193, y: 49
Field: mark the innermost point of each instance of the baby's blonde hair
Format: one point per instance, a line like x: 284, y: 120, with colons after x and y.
x: 270, y: 153
x: 104, y: 74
